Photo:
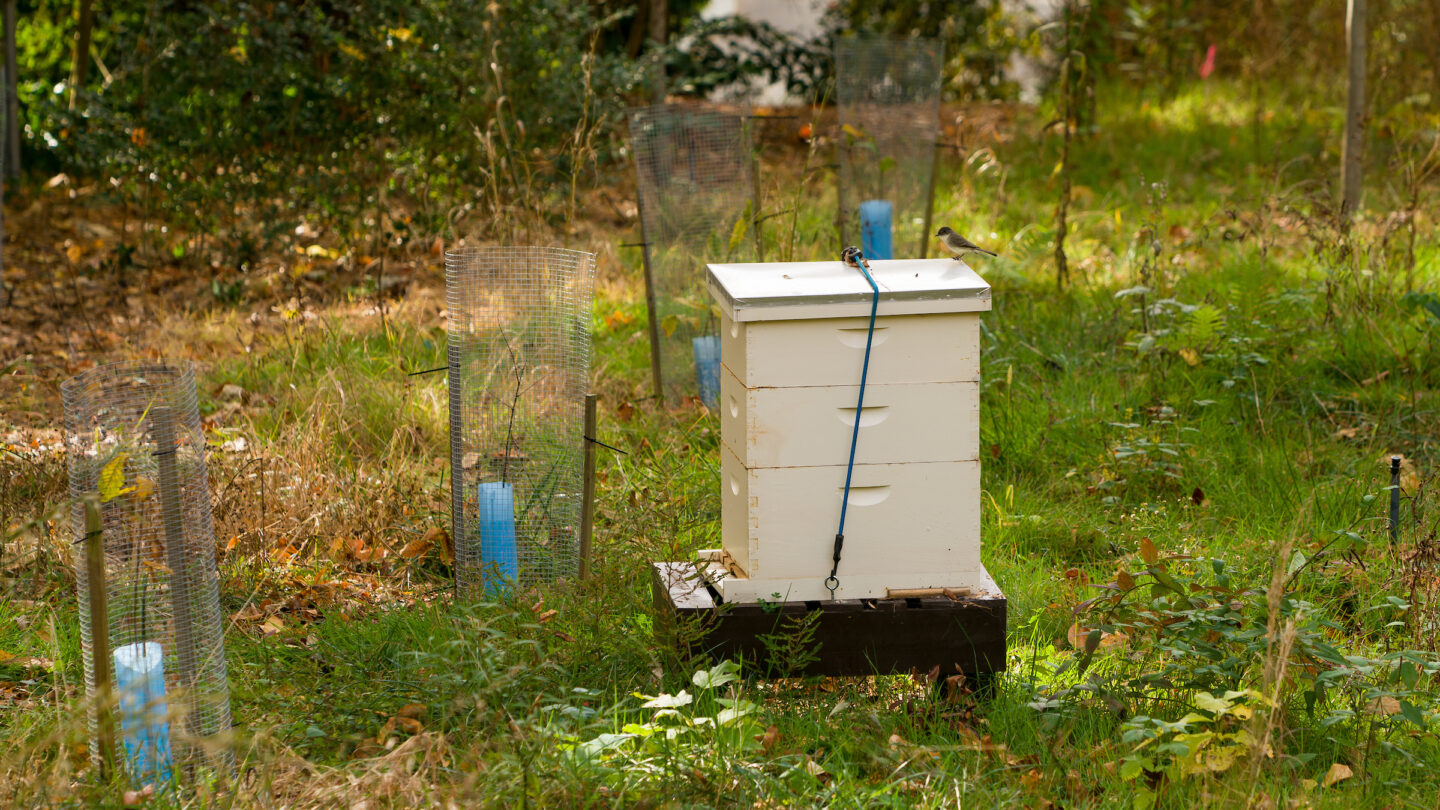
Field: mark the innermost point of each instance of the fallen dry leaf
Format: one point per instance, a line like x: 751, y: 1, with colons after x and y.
x: 1078, y: 634
x: 26, y: 661
x: 821, y: 775
x: 1385, y: 705
x: 416, y: 548
x: 625, y: 412
x: 769, y: 739
x: 1338, y: 773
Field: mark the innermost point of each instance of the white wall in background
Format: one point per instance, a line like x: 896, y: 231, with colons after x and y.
x: 795, y: 17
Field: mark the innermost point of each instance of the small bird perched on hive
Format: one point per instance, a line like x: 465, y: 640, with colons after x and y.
x: 959, y: 245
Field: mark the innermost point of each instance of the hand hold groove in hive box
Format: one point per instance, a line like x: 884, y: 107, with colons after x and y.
x: 792, y: 349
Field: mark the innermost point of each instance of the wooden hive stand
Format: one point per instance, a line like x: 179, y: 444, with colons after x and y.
x: 851, y: 637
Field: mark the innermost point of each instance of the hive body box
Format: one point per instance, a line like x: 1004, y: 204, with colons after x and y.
x: 793, y: 341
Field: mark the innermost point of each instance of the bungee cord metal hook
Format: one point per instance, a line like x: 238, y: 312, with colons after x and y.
x: 853, y: 257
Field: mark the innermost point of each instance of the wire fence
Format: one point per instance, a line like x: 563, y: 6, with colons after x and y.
x: 134, y: 444
x: 519, y: 351
x: 697, y: 205
x: 888, y: 101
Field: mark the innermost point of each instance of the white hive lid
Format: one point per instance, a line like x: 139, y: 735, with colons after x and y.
x: 776, y: 291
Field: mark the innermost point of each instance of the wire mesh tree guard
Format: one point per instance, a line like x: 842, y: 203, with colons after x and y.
x: 888, y: 98
x: 698, y: 204
x: 136, y: 456
x: 519, y: 352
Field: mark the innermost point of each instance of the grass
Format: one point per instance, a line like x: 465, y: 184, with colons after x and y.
x: 1244, y: 417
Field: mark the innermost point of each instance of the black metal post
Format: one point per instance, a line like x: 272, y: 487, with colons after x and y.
x: 1394, y: 499
x: 587, y: 509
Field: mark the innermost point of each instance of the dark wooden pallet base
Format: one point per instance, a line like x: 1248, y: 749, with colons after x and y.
x: 850, y: 637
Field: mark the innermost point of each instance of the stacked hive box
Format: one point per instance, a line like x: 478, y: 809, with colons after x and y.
x: 793, y: 341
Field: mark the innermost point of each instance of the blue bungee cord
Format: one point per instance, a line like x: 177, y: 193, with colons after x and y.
x: 854, y: 258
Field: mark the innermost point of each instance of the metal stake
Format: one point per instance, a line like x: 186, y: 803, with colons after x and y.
x: 925, y: 236
x: 755, y: 194
x: 587, y: 508
x: 175, y: 547
x: 840, y: 190
x: 1394, y: 499
x: 655, y: 374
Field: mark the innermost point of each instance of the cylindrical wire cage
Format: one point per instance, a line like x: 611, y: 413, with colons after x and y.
x: 135, y: 446
x: 693, y: 166
x: 519, y: 351
x: 888, y: 101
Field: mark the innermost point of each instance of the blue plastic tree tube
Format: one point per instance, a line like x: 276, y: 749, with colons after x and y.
x: 140, y: 682
x: 707, y: 368
x: 876, y: 240
x: 497, y: 535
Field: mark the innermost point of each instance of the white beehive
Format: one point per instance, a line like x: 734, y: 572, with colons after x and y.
x: 792, y: 346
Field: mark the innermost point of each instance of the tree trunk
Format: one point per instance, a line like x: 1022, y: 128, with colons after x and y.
x: 638, y: 28
x: 1067, y: 114
x: 658, y: 21
x: 1351, y: 167
x: 1434, y: 44
x: 10, y: 138
x: 80, y: 66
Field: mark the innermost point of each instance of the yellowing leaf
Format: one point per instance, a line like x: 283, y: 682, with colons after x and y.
x: 737, y: 234
x: 1148, y: 552
x: 669, y: 324
x: 112, y: 478
x: 144, y: 487
x: 1210, y: 703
